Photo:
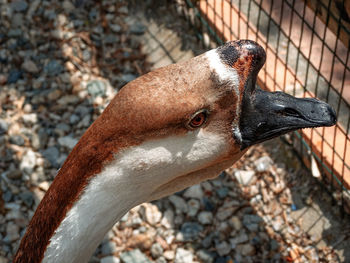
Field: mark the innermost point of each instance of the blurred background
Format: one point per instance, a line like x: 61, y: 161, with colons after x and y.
x: 287, y: 200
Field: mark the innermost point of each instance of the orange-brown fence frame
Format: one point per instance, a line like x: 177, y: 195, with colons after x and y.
x: 327, y: 59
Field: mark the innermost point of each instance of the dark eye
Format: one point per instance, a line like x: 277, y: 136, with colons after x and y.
x: 198, y: 119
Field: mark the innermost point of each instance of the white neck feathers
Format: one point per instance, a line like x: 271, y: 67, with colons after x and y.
x: 130, y: 179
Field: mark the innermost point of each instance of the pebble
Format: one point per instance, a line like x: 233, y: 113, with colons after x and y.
x: 96, y: 88
x: 263, y: 164
x: 244, y: 177
x: 128, y: 77
x: 246, y: 249
x: 14, y: 76
x: 194, y: 191
x: 156, y: 250
x: 67, y: 142
x: 110, y: 259
x: 205, y: 256
x: 134, y: 256
x: 222, y: 192
x: 53, y: 68
x: 152, y: 214
x: 17, y: 139
x: 51, y: 154
x: 183, y: 256
x: 169, y: 255
x: 179, y: 203
x: 19, y: 5
x: 193, y: 207
x: 223, y: 248
x: 3, y: 126
x: 242, y: 237
x: 190, y: 231
x: 168, y: 219
x: 205, y: 217
x: 115, y: 28
x: 28, y: 162
x: 12, y: 232
x: 108, y: 248
x: 137, y: 28
x: 29, y: 66
x: 30, y: 118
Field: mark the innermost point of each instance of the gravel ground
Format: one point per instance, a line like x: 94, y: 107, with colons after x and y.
x: 60, y: 65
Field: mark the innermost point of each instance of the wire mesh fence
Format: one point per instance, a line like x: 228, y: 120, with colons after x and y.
x: 307, y: 45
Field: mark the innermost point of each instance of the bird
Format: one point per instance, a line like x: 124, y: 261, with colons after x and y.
x: 165, y: 131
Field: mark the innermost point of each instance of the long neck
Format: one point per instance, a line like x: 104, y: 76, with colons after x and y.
x: 101, y: 205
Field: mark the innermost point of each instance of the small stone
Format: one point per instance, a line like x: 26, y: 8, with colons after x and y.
x: 225, y: 212
x: 14, y: 174
x: 96, y: 88
x: 3, y: 126
x: 247, y: 250
x: 27, y: 198
x: 161, y: 260
x: 244, y: 177
x: 28, y: 162
x: 44, y: 186
x: 205, y: 217
x: 194, y: 191
x: 242, y: 237
x: 17, y: 139
x: 156, y: 250
x: 183, y: 256
x: 205, y: 256
x: 134, y: 256
x: 193, y: 207
x: 152, y: 214
x: 68, y: 99
x: 110, y: 259
x: 137, y: 29
x: 54, y: 94
x: 251, y: 222
x: 111, y: 39
x: 19, y: 5
x: 223, y: 248
x: 169, y: 255
x: 53, y: 68
x: 74, y: 119
x: 207, y: 241
x: 67, y: 142
x: 128, y: 77
x: 12, y: 232
x: 68, y: 6
x: 263, y: 164
x: 108, y: 248
x: 51, y: 154
x: 115, y: 28
x: 190, y: 231
x: 179, y: 203
x: 14, y: 76
x: 168, y: 219
x: 235, y: 222
x: 3, y: 78
x: 30, y: 118
x: 85, y: 122
x: 222, y: 192
x: 29, y: 66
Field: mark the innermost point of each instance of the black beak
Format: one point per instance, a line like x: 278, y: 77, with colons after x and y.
x: 265, y: 115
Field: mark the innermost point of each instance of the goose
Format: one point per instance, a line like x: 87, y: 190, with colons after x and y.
x: 163, y: 132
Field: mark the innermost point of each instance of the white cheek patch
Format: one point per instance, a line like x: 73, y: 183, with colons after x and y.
x: 226, y: 73
x: 130, y: 179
